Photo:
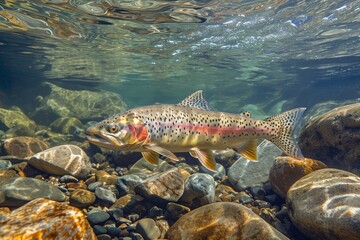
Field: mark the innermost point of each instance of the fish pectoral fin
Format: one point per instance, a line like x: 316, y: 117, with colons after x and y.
x: 151, y: 157
x: 206, y: 158
x: 248, y: 150
x: 162, y: 151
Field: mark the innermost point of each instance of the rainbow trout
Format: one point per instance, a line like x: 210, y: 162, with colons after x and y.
x: 191, y: 127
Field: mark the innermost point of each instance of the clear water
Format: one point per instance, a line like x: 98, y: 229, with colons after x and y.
x: 275, y: 54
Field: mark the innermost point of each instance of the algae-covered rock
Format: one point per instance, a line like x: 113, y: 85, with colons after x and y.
x: 66, y: 125
x: 11, y: 118
x: 83, y: 104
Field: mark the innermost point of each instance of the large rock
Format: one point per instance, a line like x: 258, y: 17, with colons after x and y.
x: 244, y: 173
x: 20, y: 190
x: 23, y: 147
x: 287, y: 170
x: 45, y: 219
x: 84, y: 105
x: 222, y: 220
x: 334, y: 138
x: 12, y: 118
x: 325, y: 204
x: 62, y: 160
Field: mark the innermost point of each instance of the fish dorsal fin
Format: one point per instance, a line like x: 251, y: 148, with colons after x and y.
x: 195, y: 100
x: 151, y: 157
x: 162, y: 151
x: 206, y: 158
x: 245, y: 114
x: 248, y: 150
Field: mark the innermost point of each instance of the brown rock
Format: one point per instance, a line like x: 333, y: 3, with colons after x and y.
x: 325, y: 204
x: 4, y: 211
x: 82, y: 198
x: 103, y: 176
x: 222, y: 220
x: 76, y: 185
x: 24, y: 146
x: 287, y: 170
x: 45, y: 219
x: 334, y: 137
x: 7, y: 174
x: 166, y: 186
x: 127, y: 201
x: 163, y: 226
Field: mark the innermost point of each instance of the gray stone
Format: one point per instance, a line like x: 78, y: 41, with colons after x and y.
x: 199, y: 190
x: 148, y: 229
x: 5, y: 164
x: 143, y: 167
x: 105, y: 195
x: 97, y: 216
x: 98, y: 229
x: 218, y: 175
x: 20, y: 190
x: 325, y: 204
x: 126, y: 184
x: 89, y: 105
x: 222, y: 220
x: 244, y: 173
x: 92, y: 186
x: 62, y: 160
x: 166, y: 186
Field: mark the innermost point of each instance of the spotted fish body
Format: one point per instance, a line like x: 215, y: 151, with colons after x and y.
x: 191, y: 127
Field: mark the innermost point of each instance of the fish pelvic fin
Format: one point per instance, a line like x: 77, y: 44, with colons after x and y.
x: 151, y: 157
x: 161, y: 151
x: 205, y: 157
x: 285, y: 124
x: 248, y: 150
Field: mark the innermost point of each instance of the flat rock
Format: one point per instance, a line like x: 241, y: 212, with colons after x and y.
x: 62, y: 160
x: 12, y: 118
x: 244, y: 173
x: 23, y: 147
x: 90, y: 105
x: 44, y: 219
x: 222, y: 220
x: 287, y: 170
x: 166, y: 186
x: 334, y: 137
x: 325, y: 204
x: 148, y: 229
x: 82, y: 198
x: 20, y: 190
x: 199, y: 190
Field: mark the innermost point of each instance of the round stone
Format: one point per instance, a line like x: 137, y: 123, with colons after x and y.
x: 287, y: 170
x: 63, y: 160
x: 24, y: 146
x: 325, y: 204
x: 82, y: 198
x: 148, y: 229
x: 97, y: 216
x: 105, y: 195
x: 222, y: 220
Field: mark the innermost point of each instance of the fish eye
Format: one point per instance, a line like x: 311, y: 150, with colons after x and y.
x: 112, y: 128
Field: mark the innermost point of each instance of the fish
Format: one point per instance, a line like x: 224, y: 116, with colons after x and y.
x: 191, y: 126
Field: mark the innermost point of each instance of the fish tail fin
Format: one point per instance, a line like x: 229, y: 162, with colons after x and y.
x: 285, y: 124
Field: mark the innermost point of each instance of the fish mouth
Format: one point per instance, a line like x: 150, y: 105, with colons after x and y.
x: 109, y: 142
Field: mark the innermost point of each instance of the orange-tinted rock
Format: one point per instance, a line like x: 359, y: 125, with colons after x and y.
x: 82, y: 198
x: 24, y: 146
x: 287, y: 170
x: 7, y: 174
x: 222, y: 220
x: 334, y: 137
x: 45, y: 219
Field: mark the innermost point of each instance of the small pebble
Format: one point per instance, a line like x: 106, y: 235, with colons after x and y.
x: 103, y: 237
x: 244, y: 198
x: 116, y: 213
x: 148, y: 229
x: 155, y: 212
x: 68, y: 179
x: 114, y: 231
x: 136, y: 236
x: 262, y: 204
x: 99, y: 229
x: 97, y: 216
x: 105, y: 195
x: 94, y: 185
x: 258, y: 191
x: 133, y: 217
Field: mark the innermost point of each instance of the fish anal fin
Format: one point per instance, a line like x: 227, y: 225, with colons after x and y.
x: 206, y: 158
x: 248, y: 150
x: 151, y: 157
x: 195, y: 100
x: 162, y: 151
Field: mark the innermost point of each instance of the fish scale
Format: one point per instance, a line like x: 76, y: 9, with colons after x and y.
x: 191, y: 126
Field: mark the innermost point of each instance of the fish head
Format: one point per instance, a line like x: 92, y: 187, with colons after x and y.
x: 121, y: 132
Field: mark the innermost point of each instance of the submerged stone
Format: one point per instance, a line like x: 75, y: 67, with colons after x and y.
x: 45, y: 219
x: 24, y: 146
x: 12, y: 118
x: 222, y: 220
x: 62, y: 160
x: 325, y: 204
x: 20, y: 190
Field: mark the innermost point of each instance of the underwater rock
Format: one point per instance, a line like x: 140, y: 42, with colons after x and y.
x: 218, y: 175
x: 334, y: 137
x: 222, y: 220
x: 23, y: 147
x: 89, y: 105
x: 174, y: 210
x: 20, y: 190
x: 126, y: 184
x: 287, y: 170
x: 19, y: 130
x: 44, y: 219
x: 199, y: 190
x: 66, y: 125
x: 105, y: 195
x: 143, y: 167
x: 12, y: 118
x: 5, y: 164
x: 325, y: 204
x: 97, y: 216
x: 7, y: 174
x: 104, y: 177
x: 127, y: 202
x: 163, y: 187
x: 82, y: 198
x: 62, y: 160
x: 244, y: 173
x: 148, y: 229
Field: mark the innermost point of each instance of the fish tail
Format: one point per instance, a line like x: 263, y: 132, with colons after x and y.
x: 285, y: 124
